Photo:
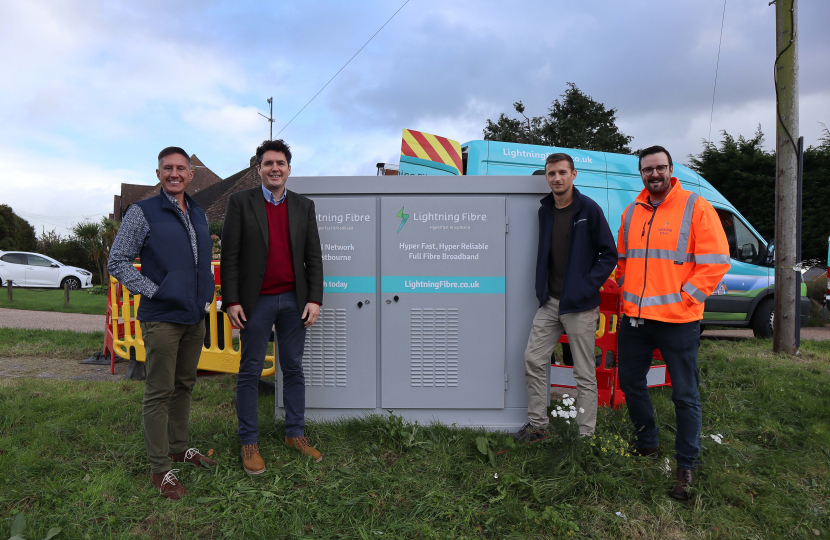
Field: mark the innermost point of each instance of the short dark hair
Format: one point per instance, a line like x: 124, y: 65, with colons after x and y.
x: 653, y: 150
x: 277, y: 146
x: 173, y: 150
x: 559, y: 156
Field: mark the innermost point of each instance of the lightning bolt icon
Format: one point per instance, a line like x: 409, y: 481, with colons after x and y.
x: 403, y: 217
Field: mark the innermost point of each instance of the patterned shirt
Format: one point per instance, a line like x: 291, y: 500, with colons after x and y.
x: 131, y: 237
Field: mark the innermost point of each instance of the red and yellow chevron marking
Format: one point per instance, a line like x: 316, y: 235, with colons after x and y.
x: 432, y: 148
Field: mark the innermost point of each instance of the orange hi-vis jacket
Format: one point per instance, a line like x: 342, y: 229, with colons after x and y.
x: 671, y: 257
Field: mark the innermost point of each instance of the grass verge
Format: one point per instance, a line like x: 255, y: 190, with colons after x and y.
x: 72, y: 456
x: 49, y: 343
x: 82, y: 301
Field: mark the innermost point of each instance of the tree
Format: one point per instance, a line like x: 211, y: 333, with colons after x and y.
x: 578, y: 121
x: 15, y: 232
x: 68, y: 250
x: 97, y: 239
x: 745, y: 174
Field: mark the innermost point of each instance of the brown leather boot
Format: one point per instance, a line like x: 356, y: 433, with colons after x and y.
x: 682, y: 483
x: 301, y: 444
x: 169, y: 485
x: 251, y: 460
x: 194, y: 457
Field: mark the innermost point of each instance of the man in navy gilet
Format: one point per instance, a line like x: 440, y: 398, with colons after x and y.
x: 169, y: 232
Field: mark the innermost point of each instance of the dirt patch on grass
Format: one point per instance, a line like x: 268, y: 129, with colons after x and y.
x: 58, y: 368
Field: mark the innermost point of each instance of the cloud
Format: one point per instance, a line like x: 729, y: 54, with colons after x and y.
x: 100, y: 87
x: 62, y: 193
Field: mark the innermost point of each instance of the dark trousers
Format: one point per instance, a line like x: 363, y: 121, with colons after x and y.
x: 281, y: 312
x: 172, y: 355
x: 678, y: 344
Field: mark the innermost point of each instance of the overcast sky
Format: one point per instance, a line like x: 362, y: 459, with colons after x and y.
x: 93, y: 90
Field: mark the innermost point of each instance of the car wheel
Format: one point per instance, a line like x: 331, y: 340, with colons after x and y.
x: 73, y: 282
x: 762, y: 319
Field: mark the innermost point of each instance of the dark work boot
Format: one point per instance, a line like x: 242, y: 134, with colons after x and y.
x: 682, y: 483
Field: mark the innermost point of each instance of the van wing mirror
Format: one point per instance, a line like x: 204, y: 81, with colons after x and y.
x: 748, y: 252
x: 770, y: 258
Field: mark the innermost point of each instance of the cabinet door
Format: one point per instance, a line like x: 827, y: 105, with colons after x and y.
x: 340, y: 359
x: 442, y: 302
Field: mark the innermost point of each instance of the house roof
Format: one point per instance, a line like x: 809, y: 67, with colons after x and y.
x: 245, y: 179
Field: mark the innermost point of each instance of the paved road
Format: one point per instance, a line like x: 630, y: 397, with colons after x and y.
x: 51, y: 320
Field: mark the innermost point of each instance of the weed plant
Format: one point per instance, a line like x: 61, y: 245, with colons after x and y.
x: 72, y: 457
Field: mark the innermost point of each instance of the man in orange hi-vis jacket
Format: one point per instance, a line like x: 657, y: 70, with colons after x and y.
x: 672, y: 254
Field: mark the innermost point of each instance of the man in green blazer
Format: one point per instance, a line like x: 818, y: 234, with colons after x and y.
x: 272, y: 276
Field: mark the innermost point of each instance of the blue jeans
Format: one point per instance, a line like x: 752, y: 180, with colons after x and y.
x: 280, y: 311
x: 678, y: 343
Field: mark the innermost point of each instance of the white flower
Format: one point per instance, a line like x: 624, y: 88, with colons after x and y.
x: 666, y: 466
x: 717, y: 438
x: 496, y: 476
x: 573, y: 414
x: 581, y: 410
x: 564, y: 395
x: 558, y: 408
x: 567, y: 421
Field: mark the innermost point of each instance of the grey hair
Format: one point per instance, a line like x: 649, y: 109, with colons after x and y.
x: 174, y: 150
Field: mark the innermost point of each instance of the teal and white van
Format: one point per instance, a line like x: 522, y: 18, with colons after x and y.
x: 744, y: 298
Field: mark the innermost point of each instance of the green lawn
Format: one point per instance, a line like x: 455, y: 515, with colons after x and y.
x: 49, y: 343
x: 72, y: 456
x: 82, y: 301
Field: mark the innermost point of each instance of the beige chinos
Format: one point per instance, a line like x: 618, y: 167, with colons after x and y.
x: 548, y: 326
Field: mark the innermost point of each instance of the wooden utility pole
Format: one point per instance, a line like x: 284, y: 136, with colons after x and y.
x: 786, y: 170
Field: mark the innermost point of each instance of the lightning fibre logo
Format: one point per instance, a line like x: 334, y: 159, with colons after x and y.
x: 403, y: 217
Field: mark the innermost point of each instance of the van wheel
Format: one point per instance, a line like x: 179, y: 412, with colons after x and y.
x: 762, y: 319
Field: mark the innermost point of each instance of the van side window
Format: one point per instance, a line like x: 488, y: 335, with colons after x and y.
x: 743, y: 245
x: 14, y: 258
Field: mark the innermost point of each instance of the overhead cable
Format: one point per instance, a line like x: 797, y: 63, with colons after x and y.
x: 342, y: 68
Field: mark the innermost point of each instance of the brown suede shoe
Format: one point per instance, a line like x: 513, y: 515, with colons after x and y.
x: 169, y: 485
x: 192, y: 456
x: 682, y: 483
x: 301, y: 444
x: 251, y: 460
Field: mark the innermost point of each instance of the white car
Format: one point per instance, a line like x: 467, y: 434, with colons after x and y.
x: 25, y: 269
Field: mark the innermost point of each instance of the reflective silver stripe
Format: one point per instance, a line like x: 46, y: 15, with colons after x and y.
x: 658, y: 254
x: 661, y: 300
x: 629, y: 213
x: 620, y: 255
x: 621, y: 281
x: 694, y: 292
x: 630, y: 297
x: 685, y: 228
x: 712, y: 259
x: 649, y: 301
